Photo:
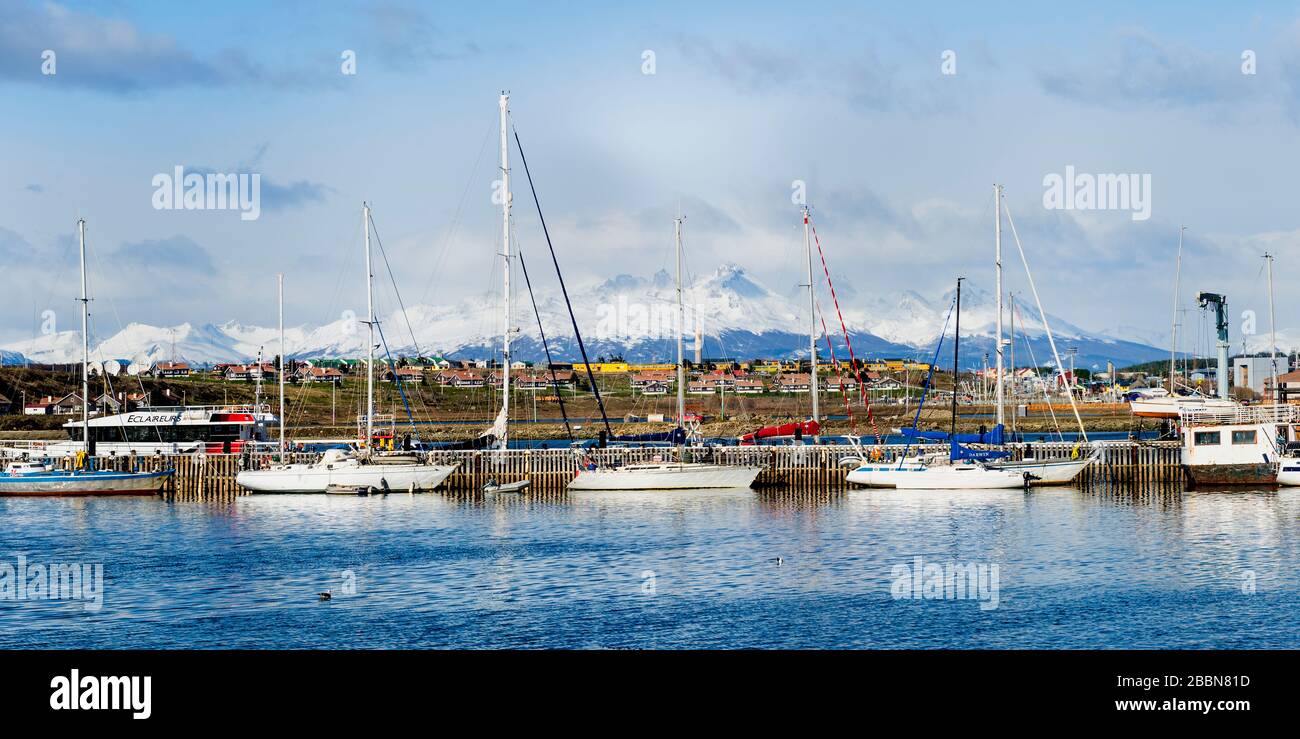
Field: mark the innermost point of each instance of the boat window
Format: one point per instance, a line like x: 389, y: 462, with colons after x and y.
x: 1243, y: 437
x: 1207, y: 438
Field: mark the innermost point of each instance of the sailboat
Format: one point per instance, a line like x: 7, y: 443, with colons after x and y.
x: 36, y: 478
x: 960, y: 469
x: 341, y: 470
x: 679, y: 475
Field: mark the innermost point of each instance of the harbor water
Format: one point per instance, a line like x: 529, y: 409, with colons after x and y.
x: 1057, y: 568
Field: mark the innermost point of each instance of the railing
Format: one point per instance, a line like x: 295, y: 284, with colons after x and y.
x: 1239, y: 415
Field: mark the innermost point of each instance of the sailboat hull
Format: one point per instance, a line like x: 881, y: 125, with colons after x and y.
x: 939, y: 477
x: 1053, y: 472
x: 307, y: 478
x: 666, y: 477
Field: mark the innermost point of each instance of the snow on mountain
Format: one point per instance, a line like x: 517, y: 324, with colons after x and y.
x: 626, y: 315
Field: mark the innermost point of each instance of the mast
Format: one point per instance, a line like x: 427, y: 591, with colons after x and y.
x: 681, y: 326
x: 812, y: 318
x: 85, y: 341
x: 1173, y: 339
x: 997, y: 240
x: 505, y: 242
x: 1272, y: 328
x: 370, y: 327
x: 279, y: 283
x: 956, y: 344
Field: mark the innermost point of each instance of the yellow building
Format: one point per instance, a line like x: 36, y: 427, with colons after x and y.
x: 604, y: 368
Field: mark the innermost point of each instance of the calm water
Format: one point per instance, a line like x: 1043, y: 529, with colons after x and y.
x: 697, y: 569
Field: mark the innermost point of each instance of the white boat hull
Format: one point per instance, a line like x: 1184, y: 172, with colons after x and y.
x: 937, y: 477
x: 666, y: 477
x: 1171, y: 406
x: 1046, y: 472
x: 91, y: 483
x: 1289, y: 474
x: 307, y: 478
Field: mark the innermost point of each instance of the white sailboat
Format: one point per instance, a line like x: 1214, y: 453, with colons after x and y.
x: 1032, y: 471
x: 679, y: 475
x: 337, y: 468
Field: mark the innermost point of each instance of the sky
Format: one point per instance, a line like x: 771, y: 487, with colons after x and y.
x: 896, y: 119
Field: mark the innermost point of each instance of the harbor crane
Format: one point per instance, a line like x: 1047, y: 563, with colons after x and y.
x: 1220, y: 303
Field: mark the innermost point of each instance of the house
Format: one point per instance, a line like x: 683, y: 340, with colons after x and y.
x: 700, y: 388
x: 49, y: 405
x: 793, y: 383
x: 887, y: 383
x: 459, y: 378
x: 404, y: 374
x: 263, y: 371
x: 170, y: 369
x: 841, y: 385
x: 748, y: 387
x: 320, y: 374
x: 718, y: 379
x: 641, y: 379
x: 655, y: 387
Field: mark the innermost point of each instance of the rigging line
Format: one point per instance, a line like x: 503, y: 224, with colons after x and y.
x: 835, y: 364
x: 853, y: 362
x: 454, y: 228
x: 929, y: 379
x: 396, y: 379
x: 550, y: 363
x: 99, y: 350
x: 1046, y: 326
x: 1034, y: 360
x: 397, y: 293
x: 582, y: 348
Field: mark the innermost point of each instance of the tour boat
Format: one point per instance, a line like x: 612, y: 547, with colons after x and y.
x: 167, y: 430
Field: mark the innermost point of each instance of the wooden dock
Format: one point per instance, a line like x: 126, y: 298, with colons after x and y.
x: 811, y: 468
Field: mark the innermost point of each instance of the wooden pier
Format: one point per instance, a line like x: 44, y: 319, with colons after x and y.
x: 811, y: 468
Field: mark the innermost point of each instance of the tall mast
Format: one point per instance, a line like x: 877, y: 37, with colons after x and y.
x: 1173, y: 339
x: 681, y: 326
x: 956, y: 368
x: 997, y: 240
x: 505, y: 242
x: 279, y: 284
x: 812, y: 317
x: 370, y: 328
x: 1272, y: 328
x: 85, y: 341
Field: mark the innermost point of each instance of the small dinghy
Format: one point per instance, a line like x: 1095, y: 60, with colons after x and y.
x: 493, y: 486
x: 362, y: 490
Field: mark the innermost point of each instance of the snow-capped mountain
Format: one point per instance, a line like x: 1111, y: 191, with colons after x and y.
x: 626, y: 315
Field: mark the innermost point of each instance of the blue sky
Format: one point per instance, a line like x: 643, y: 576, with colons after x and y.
x: 847, y: 97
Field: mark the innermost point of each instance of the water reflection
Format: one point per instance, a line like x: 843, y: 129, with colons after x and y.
x: 1102, y: 567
